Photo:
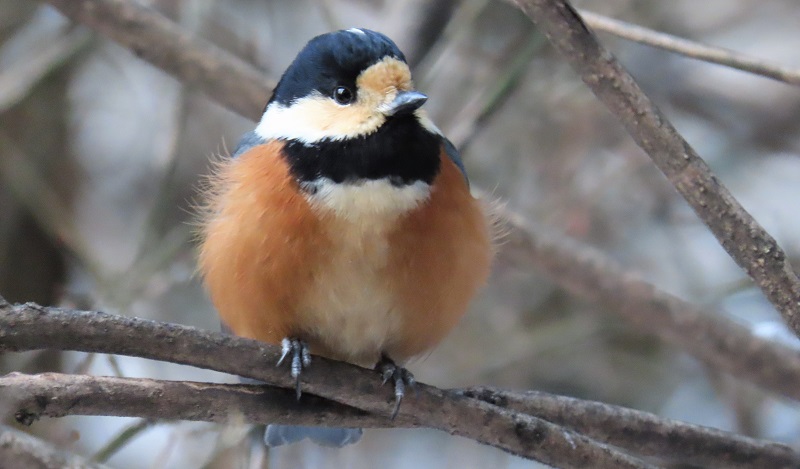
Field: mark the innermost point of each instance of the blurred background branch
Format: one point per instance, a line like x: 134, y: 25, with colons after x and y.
x: 18, y: 80
x: 19, y: 450
x: 693, y: 49
x: 708, y: 336
x: 214, y: 72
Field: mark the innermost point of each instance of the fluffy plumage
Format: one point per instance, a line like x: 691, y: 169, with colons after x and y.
x: 391, y: 281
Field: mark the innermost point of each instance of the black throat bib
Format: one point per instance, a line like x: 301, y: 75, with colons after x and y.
x: 401, y: 150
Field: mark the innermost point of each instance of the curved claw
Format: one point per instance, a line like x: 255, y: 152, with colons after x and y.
x: 400, y: 377
x: 301, y: 358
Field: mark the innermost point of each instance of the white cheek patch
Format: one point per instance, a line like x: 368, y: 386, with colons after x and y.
x: 291, y: 123
x: 366, y: 201
x: 312, y: 119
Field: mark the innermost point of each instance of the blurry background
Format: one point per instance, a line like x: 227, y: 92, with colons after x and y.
x: 101, y: 155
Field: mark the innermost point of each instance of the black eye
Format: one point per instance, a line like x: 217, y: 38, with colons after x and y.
x: 343, y: 95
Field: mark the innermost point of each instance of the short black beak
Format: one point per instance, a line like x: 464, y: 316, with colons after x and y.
x: 405, y: 102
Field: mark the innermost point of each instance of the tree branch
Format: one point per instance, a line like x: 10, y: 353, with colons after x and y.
x: 692, y: 49
x: 738, y: 232
x: 223, y: 77
x: 57, y: 395
x: 645, y: 434
x: 33, y: 327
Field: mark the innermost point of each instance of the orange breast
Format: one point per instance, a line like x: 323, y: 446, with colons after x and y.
x: 260, y: 243
x: 275, y: 266
x: 441, y: 256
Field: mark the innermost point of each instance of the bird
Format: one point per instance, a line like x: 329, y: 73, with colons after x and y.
x: 343, y: 225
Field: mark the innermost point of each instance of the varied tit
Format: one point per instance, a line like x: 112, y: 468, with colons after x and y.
x: 343, y: 224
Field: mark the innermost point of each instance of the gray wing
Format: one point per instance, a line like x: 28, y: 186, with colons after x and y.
x: 455, y: 157
x: 249, y: 140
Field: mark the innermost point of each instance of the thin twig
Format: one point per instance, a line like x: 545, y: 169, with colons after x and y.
x: 492, y: 98
x: 692, y: 49
x: 737, y: 231
x: 428, y: 25
x: 123, y: 438
x: 33, y: 327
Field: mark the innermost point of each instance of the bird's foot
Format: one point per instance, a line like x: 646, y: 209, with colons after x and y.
x: 400, y: 377
x: 300, y: 355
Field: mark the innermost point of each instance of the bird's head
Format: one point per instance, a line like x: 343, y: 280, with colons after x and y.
x: 343, y: 85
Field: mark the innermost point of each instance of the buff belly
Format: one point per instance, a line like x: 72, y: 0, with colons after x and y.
x: 351, y: 311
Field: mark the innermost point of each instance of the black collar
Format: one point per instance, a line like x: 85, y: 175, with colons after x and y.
x: 401, y: 150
